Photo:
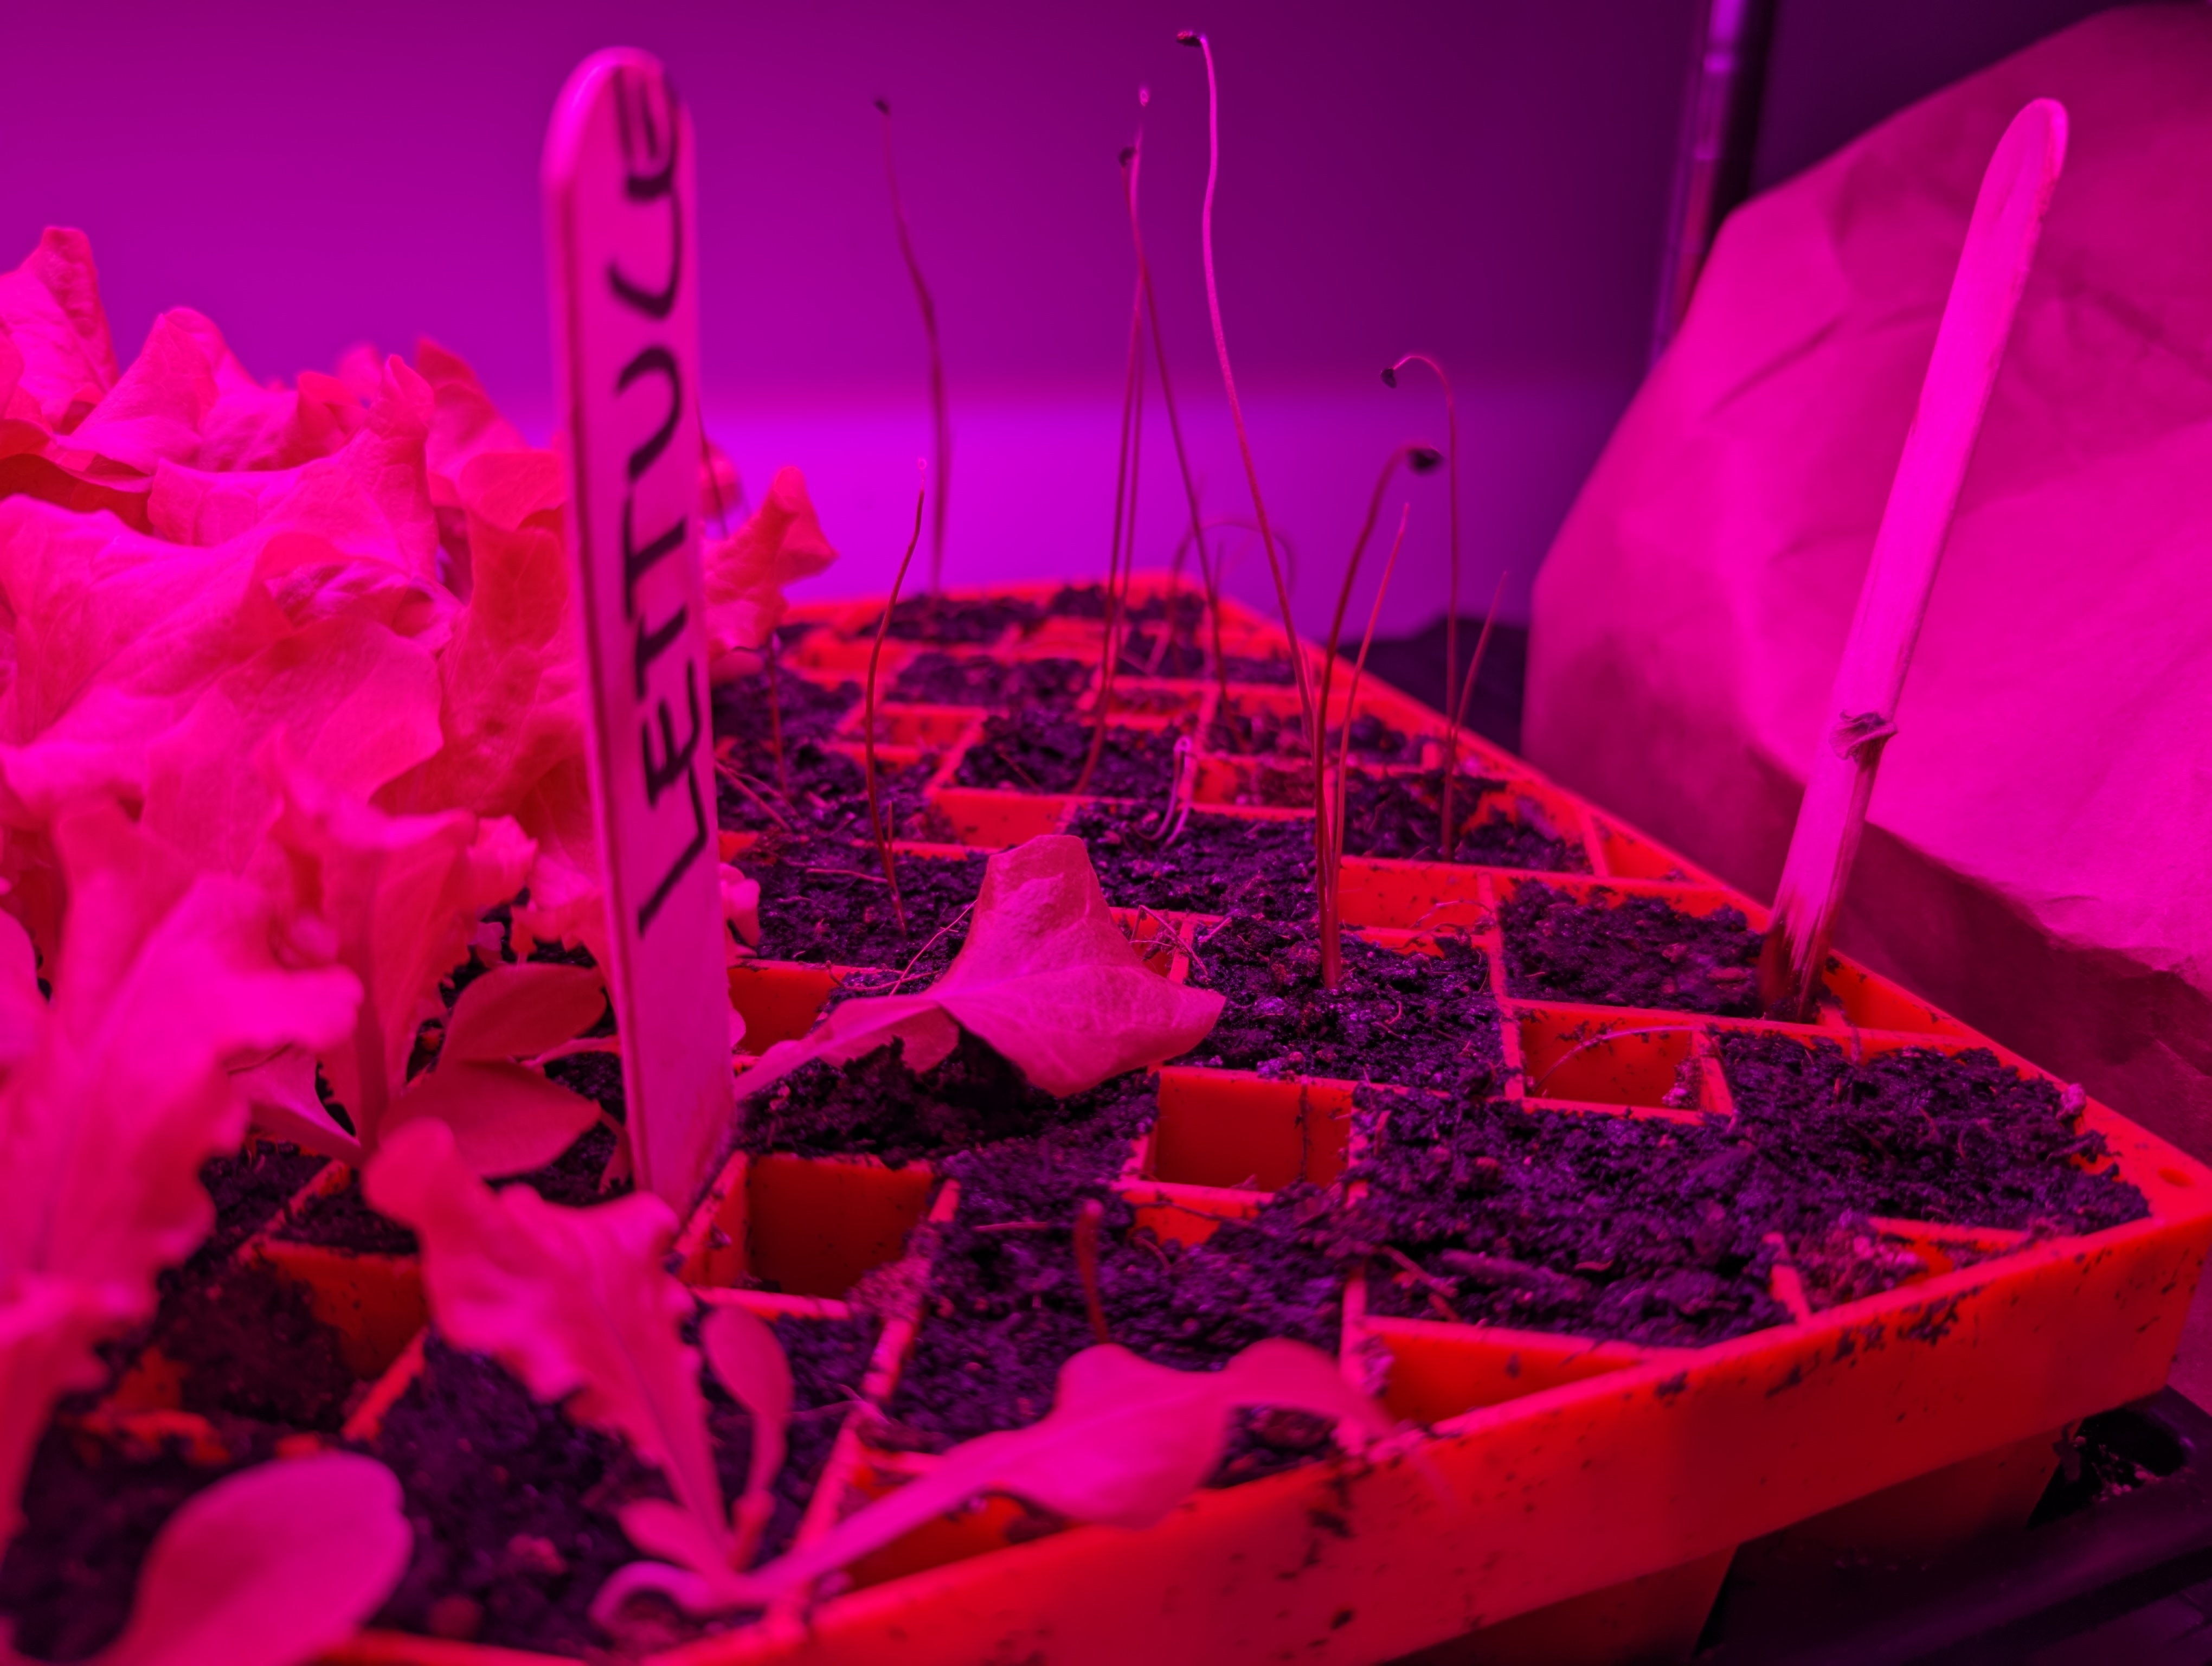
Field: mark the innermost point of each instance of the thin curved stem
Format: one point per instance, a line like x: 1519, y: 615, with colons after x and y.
x: 1352, y: 703
x: 1208, y: 571
x: 1194, y: 38
x: 1332, y: 948
x: 876, y: 827
x: 1125, y: 506
x: 940, y: 417
x: 1451, y: 604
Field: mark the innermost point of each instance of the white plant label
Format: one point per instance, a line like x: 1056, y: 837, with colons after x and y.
x: 621, y: 241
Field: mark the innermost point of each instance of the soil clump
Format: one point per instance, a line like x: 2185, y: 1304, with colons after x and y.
x: 875, y: 1106
x: 1631, y: 952
x: 1216, y: 865
x: 935, y: 678
x: 1035, y: 751
x: 1415, y: 1020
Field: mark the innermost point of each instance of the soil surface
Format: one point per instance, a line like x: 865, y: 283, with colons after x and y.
x: 829, y: 796
x: 1190, y: 660
x: 1005, y: 1307
x: 598, y: 1078
x: 251, y: 1347
x: 513, y: 1505
x: 1416, y: 1020
x: 344, y: 1219
x: 248, y: 1190
x: 1255, y: 731
x: 874, y: 1106
x: 825, y: 902
x: 1629, y: 951
x: 1036, y: 751
x: 976, y: 680
x: 936, y: 619
x: 811, y: 711
x: 91, y: 1509
x: 1400, y: 817
x: 1088, y: 601
x: 1607, y: 1227
x: 1217, y: 864
x: 1963, y: 1140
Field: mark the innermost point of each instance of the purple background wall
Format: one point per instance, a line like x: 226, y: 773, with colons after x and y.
x: 1484, y: 179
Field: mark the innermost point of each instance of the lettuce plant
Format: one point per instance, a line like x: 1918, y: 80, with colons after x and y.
x: 118, y: 1091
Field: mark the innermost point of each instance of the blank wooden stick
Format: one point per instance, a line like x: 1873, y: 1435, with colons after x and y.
x: 1862, y: 710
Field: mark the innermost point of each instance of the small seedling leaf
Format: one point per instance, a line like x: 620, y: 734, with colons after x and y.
x: 574, y: 1302
x: 268, y: 1567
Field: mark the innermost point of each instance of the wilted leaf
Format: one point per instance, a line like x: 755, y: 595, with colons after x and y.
x: 1125, y: 1442
x: 1046, y: 977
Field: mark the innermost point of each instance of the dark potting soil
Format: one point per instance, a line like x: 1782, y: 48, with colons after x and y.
x: 572, y: 1179
x: 1191, y: 659
x: 251, y: 1347
x: 1005, y: 1307
x: 827, y: 903
x: 1037, y: 751
x: 1629, y: 951
x: 811, y: 711
x: 343, y: 1220
x: 875, y: 1106
x: 248, y: 1190
x: 1962, y: 1140
x: 828, y: 797
x: 1255, y: 731
x: 1400, y: 817
x: 1416, y: 1020
x: 939, y: 619
x: 91, y: 1509
x: 1216, y: 865
x: 1088, y: 601
x: 598, y: 1076
x: 513, y: 1506
x: 1607, y: 1227
x: 977, y: 679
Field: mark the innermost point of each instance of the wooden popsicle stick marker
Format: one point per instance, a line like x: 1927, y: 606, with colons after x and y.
x: 1970, y: 343
x: 619, y: 196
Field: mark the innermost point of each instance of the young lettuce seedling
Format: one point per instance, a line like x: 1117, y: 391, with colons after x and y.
x: 579, y: 1304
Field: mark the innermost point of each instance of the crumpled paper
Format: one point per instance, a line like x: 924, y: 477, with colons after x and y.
x: 2036, y: 855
